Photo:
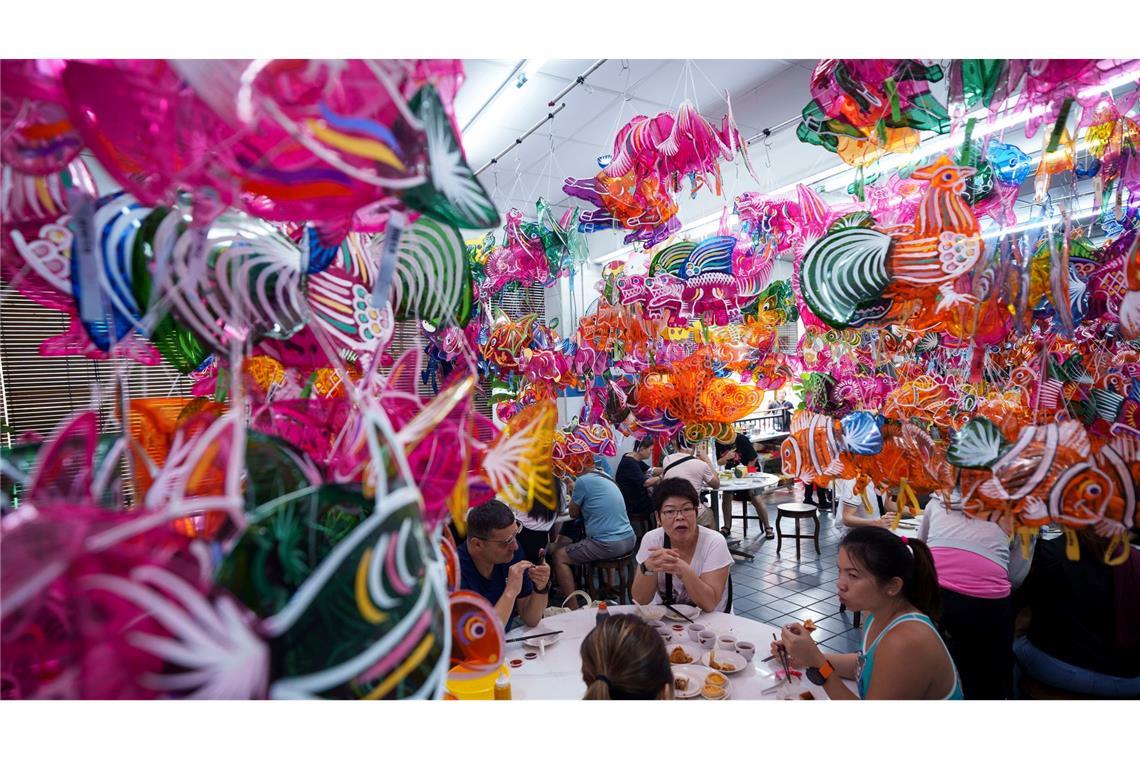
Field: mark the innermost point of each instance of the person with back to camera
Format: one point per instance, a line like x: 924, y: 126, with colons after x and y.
x: 903, y: 655
x: 1081, y: 623
x: 691, y: 462
x: 690, y: 560
x: 624, y: 658
x: 635, y: 478
x: 598, y: 501
x: 975, y: 565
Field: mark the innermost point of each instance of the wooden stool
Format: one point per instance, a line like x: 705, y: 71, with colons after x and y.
x: 796, y: 510
x: 610, y: 578
x: 642, y: 524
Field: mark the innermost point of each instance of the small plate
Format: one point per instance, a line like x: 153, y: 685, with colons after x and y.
x: 727, y: 692
x: 737, y: 662
x: 542, y: 640
x: 684, y: 609
x: 692, y: 650
x: 696, y: 675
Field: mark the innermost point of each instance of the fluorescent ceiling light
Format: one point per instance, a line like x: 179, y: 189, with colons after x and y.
x: 1036, y: 224
x: 520, y: 75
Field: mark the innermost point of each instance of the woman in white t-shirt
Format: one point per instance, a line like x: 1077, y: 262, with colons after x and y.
x: 682, y: 557
x: 851, y: 511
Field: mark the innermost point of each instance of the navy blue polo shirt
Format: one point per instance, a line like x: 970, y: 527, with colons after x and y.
x: 490, y: 588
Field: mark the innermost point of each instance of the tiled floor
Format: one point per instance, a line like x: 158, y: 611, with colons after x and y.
x: 776, y: 589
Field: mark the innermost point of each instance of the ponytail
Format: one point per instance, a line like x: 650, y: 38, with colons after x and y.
x: 598, y: 689
x: 923, y: 591
x: 887, y: 556
x: 624, y: 658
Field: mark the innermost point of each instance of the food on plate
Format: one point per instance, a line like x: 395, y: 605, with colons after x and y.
x: 724, y: 667
x: 715, y: 679
x: 809, y: 626
x: 678, y: 656
x: 806, y: 695
x: 712, y: 692
x: 680, y: 683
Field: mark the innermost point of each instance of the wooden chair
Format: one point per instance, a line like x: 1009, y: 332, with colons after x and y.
x: 797, y: 511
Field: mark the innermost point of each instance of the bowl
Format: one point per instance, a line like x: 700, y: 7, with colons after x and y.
x: 650, y: 613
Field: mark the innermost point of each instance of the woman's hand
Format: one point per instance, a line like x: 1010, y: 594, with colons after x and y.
x: 800, y: 646
x: 670, y: 562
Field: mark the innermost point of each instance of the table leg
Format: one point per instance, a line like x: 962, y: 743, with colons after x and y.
x: 779, y: 533
x: 797, y: 538
x: 816, y: 518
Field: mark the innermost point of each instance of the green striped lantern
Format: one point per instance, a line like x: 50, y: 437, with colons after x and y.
x: 432, y: 282
x: 845, y: 272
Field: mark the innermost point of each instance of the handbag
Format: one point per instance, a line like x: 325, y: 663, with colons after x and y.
x: 558, y: 610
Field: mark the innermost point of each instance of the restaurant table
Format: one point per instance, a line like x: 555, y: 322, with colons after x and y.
x: 768, y: 437
x: 558, y: 675
x: 751, y: 482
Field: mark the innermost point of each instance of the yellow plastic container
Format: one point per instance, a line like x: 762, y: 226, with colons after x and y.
x: 464, y: 685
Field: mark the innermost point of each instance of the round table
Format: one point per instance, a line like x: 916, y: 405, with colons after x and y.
x: 559, y: 674
x: 751, y: 482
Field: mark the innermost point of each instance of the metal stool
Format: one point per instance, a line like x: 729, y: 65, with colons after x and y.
x: 796, y: 510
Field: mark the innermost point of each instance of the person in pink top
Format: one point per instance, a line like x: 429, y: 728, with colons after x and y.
x: 972, y: 558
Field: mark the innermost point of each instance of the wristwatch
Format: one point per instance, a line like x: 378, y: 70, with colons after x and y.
x: 645, y: 570
x: 545, y: 589
x: 819, y: 675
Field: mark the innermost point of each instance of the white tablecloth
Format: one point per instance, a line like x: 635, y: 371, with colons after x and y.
x: 559, y: 675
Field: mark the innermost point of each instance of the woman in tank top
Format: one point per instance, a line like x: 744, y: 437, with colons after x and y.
x: 903, y: 656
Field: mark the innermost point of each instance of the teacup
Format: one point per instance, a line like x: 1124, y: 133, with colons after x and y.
x: 707, y: 639
x: 746, y: 649
x: 727, y: 643
x: 695, y: 631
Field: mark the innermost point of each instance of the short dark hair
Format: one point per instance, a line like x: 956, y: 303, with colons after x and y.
x: 674, y: 487
x: 494, y: 515
x: 644, y: 443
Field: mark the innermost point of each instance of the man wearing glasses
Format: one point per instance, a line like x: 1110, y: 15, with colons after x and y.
x: 681, y: 559
x: 491, y: 564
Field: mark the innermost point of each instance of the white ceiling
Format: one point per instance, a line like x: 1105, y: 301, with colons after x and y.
x: 764, y: 93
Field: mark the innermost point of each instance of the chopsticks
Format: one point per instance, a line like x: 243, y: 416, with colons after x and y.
x: 677, y: 611
x: 783, y: 659
x: 532, y: 636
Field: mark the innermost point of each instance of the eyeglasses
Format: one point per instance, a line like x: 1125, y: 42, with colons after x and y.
x: 671, y: 514
x: 502, y: 541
